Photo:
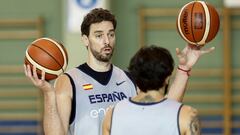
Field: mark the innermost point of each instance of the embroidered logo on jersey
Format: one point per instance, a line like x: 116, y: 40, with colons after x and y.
x: 110, y: 97
x: 119, y: 83
x: 87, y: 86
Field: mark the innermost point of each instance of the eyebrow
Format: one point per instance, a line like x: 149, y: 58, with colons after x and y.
x: 100, y: 31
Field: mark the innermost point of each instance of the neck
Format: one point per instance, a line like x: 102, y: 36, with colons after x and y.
x: 99, y: 66
x: 150, y: 96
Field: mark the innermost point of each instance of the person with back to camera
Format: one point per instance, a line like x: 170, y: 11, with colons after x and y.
x: 150, y: 112
x: 78, y: 101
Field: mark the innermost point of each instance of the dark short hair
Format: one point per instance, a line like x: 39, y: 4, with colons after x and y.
x: 150, y: 67
x: 97, y: 15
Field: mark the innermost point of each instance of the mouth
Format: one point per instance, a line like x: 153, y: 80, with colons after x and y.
x: 107, y: 50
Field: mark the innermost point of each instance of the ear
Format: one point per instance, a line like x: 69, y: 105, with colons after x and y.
x: 167, y: 80
x: 138, y: 90
x: 85, y: 40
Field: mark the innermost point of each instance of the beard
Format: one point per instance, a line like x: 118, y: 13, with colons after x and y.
x: 103, y: 57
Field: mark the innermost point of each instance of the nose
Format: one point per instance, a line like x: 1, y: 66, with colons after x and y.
x: 106, y: 40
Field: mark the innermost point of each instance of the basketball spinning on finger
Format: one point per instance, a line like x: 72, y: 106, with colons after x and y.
x: 47, y: 55
x: 198, y: 22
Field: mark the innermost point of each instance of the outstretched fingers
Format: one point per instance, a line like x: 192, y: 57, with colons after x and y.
x: 181, y: 54
x: 43, y: 76
x: 32, y: 74
x: 35, y: 75
x: 178, y: 52
x: 208, y: 50
x: 37, y: 79
x: 27, y: 71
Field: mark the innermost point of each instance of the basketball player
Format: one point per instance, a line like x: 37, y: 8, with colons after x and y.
x: 150, y: 112
x: 78, y: 101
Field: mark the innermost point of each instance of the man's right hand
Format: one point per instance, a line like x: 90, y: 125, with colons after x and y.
x: 40, y: 83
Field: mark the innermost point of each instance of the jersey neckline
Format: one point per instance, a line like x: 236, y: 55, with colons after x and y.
x: 149, y: 103
x: 101, y: 77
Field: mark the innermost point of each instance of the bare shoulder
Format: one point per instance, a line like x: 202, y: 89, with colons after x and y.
x: 63, y: 85
x: 189, y: 121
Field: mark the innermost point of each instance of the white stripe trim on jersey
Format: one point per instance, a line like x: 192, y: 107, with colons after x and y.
x: 208, y: 21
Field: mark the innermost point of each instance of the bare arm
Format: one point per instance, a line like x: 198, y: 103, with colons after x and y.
x: 107, y: 122
x: 57, y: 112
x: 189, y: 121
x: 187, y: 59
x: 178, y: 87
x: 56, y: 117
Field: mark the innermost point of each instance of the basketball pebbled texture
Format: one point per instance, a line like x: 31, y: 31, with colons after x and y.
x: 198, y: 22
x: 47, y: 55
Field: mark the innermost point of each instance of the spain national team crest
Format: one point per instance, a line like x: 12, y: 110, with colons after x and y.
x: 88, y: 86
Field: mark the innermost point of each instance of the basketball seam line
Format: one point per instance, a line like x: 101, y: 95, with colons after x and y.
x: 208, y: 21
x: 60, y: 47
x: 40, y: 67
x: 179, y: 25
x: 204, y: 23
x: 50, y: 56
x: 192, y: 23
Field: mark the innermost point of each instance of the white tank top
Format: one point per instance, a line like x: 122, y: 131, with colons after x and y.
x: 92, y: 99
x: 132, y: 118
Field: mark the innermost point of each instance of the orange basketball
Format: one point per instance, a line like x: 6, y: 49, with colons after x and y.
x: 47, y: 55
x: 198, y: 22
